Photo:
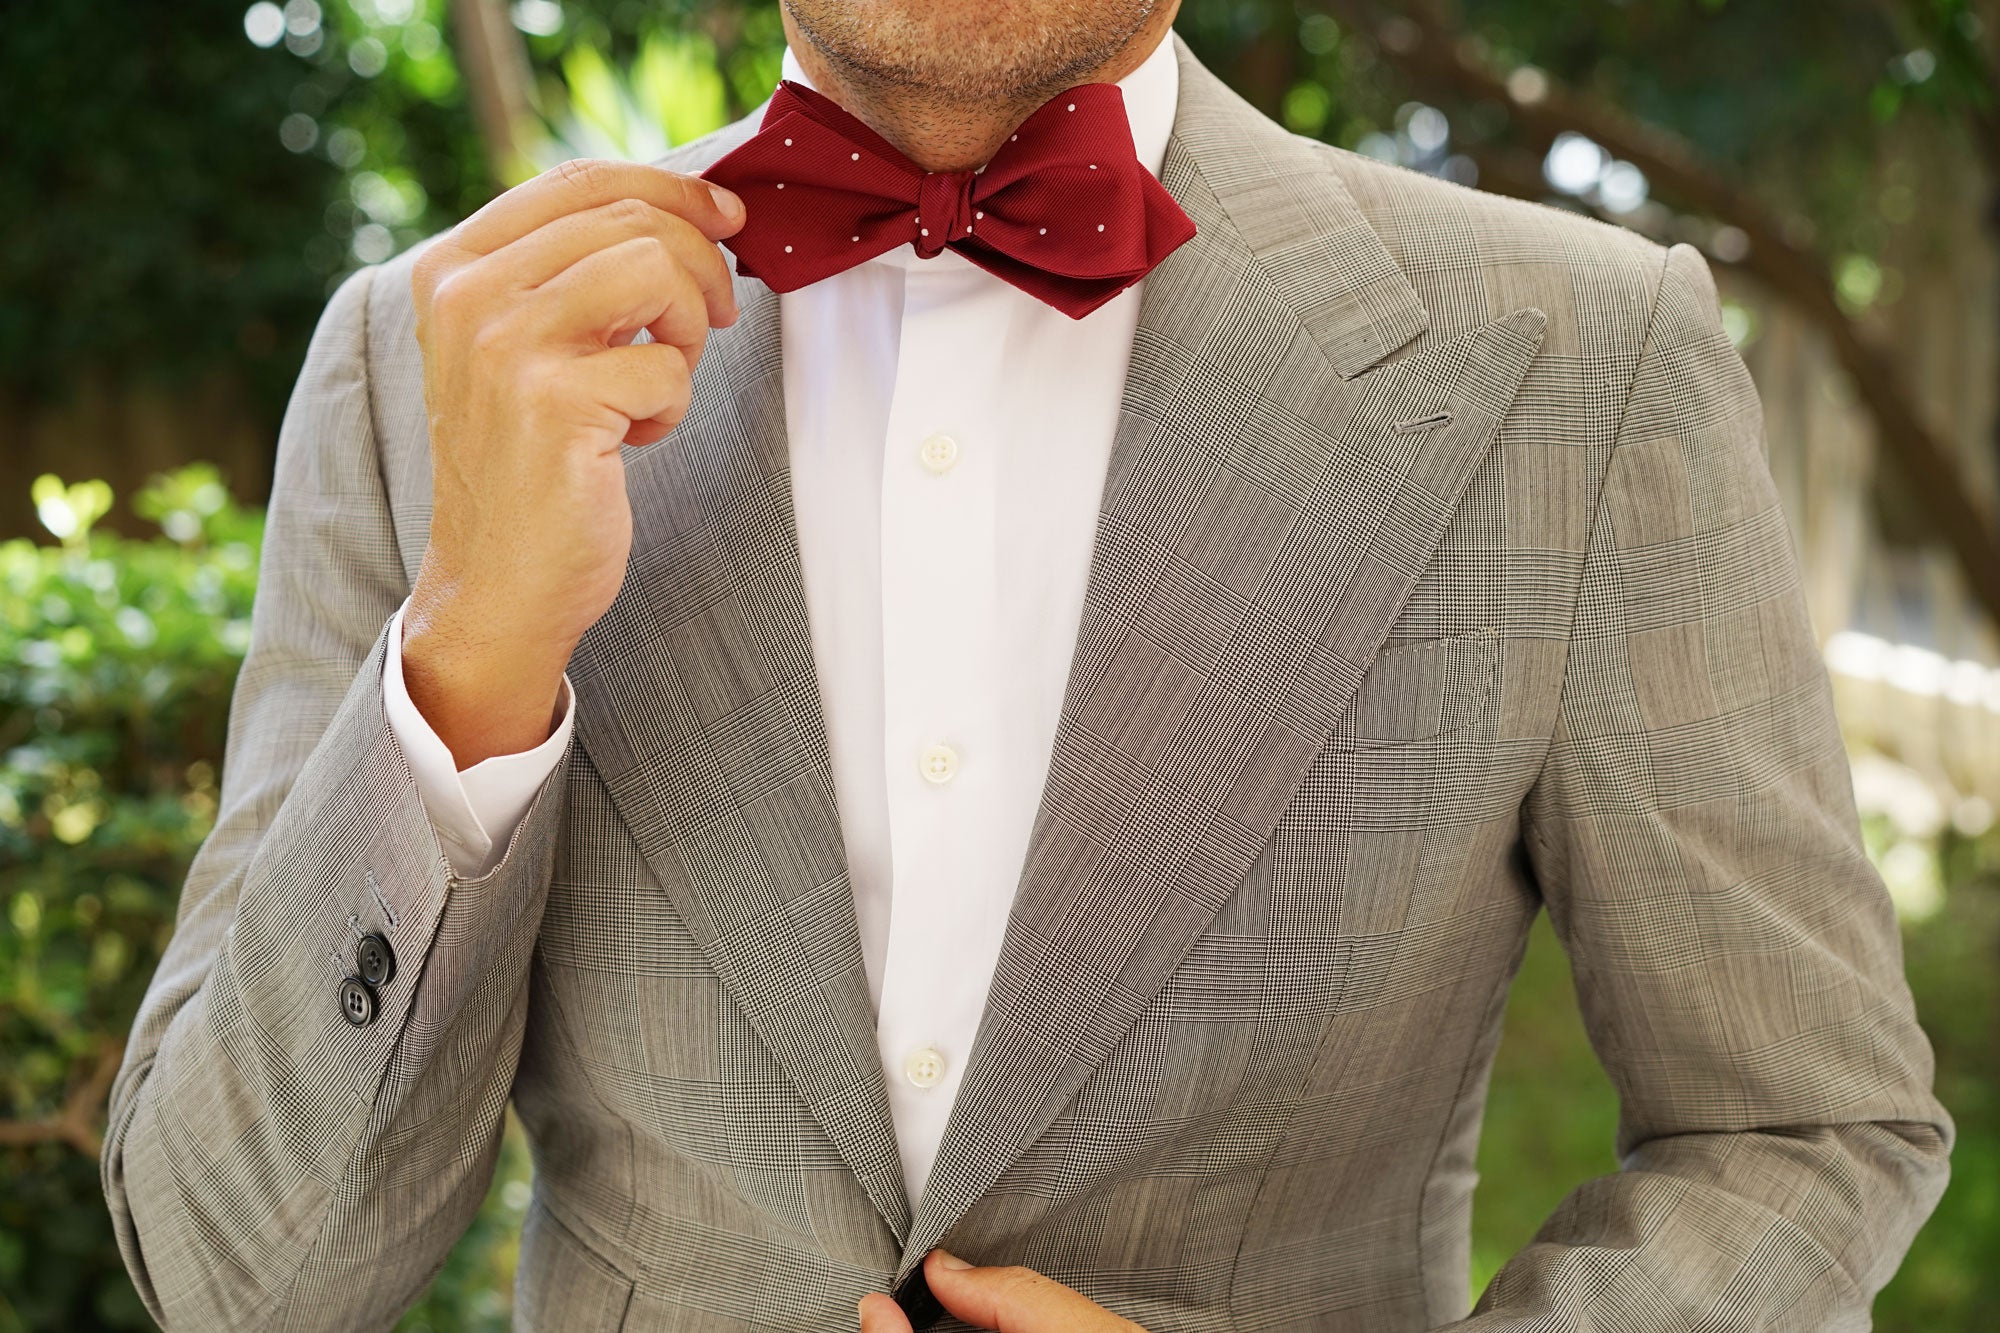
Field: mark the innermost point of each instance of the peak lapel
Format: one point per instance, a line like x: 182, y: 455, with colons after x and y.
x: 699, y: 708
x: 1264, y: 520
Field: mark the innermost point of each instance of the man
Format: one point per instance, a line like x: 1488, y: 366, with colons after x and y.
x: 1053, y: 773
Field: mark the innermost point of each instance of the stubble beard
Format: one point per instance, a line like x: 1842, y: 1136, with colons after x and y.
x: 1006, y: 59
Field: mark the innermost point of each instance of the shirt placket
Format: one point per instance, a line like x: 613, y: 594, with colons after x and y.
x: 942, y: 699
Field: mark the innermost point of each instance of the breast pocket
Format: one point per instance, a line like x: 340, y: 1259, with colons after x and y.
x: 1422, y: 689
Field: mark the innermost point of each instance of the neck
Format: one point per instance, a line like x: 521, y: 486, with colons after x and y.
x: 947, y: 131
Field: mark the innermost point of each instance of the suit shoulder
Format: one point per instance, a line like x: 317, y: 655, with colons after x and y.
x: 1475, y: 256
x: 390, y: 318
x: 699, y: 154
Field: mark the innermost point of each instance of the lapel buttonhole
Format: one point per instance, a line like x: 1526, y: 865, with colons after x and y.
x: 1431, y: 422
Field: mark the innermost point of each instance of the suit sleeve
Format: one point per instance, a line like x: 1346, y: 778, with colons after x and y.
x: 268, y: 1163
x: 1736, y: 956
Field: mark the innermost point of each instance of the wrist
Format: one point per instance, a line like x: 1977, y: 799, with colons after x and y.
x: 483, y: 690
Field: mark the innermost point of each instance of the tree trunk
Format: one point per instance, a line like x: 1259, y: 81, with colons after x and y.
x: 495, y: 61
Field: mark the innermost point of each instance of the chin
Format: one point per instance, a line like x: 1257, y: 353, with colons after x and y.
x: 946, y: 43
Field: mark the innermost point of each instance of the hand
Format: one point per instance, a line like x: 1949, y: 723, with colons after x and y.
x: 1012, y: 1300
x: 526, y: 315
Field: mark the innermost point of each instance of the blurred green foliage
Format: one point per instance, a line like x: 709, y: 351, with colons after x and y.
x: 174, y: 201
x: 674, y: 92
x: 218, y: 165
x: 120, y: 656
x: 1806, y: 113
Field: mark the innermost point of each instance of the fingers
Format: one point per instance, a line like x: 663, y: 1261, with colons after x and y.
x: 601, y: 249
x: 646, y: 383
x: 634, y: 284
x: 545, y: 252
x: 585, y: 183
x: 880, y: 1314
x: 1016, y: 1300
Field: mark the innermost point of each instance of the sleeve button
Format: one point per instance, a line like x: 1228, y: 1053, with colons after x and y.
x: 357, y: 1002
x: 375, y: 960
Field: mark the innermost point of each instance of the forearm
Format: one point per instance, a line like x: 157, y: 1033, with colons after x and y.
x: 1790, y: 1228
x: 267, y: 1161
x: 271, y: 1162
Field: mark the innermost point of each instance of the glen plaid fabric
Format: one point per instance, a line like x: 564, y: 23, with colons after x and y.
x: 1439, y: 579
x: 1064, y: 211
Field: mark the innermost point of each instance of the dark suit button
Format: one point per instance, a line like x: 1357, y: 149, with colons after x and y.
x: 920, y: 1307
x: 357, y: 1001
x: 376, y: 960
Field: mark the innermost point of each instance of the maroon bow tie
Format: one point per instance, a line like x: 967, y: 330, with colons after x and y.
x: 1064, y: 211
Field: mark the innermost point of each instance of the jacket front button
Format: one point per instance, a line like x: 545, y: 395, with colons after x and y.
x: 357, y: 1001
x: 920, y: 1306
x: 375, y: 960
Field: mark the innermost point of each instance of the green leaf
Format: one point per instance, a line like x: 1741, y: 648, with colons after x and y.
x: 595, y: 98
x: 69, y: 511
x: 677, y: 84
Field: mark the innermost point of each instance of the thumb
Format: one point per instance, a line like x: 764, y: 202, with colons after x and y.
x: 1014, y: 1300
x: 720, y: 212
x: 880, y: 1314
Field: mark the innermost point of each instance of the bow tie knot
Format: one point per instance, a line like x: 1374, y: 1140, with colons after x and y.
x: 1064, y: 211
x: 944, y: 210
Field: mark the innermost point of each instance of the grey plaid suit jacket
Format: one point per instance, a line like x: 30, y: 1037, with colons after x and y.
x: 1439, y: 579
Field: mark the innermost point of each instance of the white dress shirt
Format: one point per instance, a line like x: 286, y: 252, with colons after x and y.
x: 949, y: 436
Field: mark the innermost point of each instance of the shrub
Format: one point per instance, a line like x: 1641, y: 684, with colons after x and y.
x: 120, y: 657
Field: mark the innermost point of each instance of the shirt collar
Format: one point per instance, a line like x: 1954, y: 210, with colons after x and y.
x: 1151, y: 91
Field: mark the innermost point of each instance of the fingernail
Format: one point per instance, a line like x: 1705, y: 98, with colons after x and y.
x: 946, y: 1259
x: 726, y: 200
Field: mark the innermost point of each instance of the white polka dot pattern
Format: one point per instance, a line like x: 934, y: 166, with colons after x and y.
x: 1071, y: 158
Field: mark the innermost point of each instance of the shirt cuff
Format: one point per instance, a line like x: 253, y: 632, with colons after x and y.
x: 475, y: 810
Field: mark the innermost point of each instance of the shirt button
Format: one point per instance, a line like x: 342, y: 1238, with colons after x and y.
x: 939, y: 763
x: 924, y: 1066
x: 938, y: 453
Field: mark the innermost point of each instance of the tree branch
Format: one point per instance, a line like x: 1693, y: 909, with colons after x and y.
x: 80, y: 1123
x: 1917, y: 21
x: 1418, y: 40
